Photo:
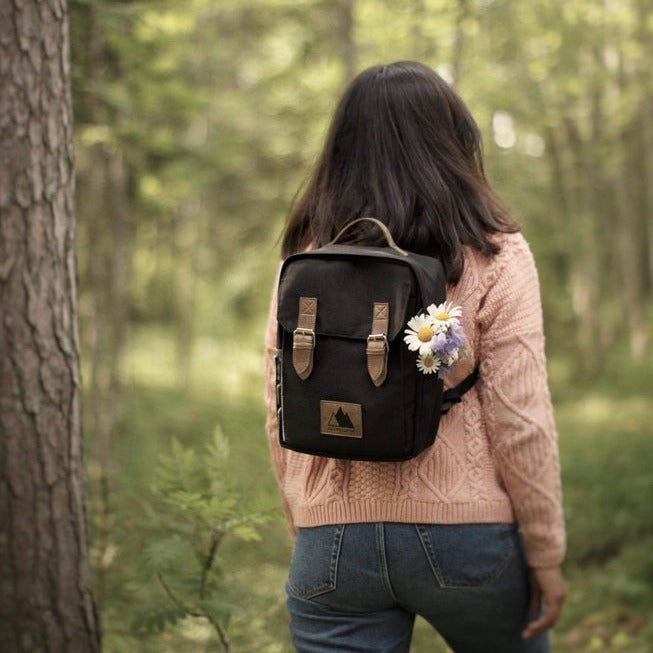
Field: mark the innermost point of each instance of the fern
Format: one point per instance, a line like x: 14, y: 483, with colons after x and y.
x: 164, y: 553
x: 197, y: 512
x: 155, y: 618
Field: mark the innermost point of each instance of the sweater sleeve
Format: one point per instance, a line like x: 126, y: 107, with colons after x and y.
x: 277, y: 454
x: 517, y: 403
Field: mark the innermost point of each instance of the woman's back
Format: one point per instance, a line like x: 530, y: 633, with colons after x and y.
x: 484, y: 501
x: 501, y: 440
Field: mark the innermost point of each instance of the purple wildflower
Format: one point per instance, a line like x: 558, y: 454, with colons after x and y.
x: 456, y: 333
x: 439, y: 344
x: 445, y: 343
x: 443, y: 370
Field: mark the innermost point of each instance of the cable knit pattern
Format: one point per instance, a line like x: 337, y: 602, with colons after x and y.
x: 495, y: 458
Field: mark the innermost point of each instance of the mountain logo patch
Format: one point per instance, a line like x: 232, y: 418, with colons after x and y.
x: 341, y: 419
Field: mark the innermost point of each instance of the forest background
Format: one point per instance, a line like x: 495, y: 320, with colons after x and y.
x: 195, y: 124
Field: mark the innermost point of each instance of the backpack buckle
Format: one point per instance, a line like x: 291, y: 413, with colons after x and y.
x: 304, y: 332
x: 378, y: 337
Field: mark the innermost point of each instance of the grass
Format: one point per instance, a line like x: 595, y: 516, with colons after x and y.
x: 606, y: 452
x: 606, y: 449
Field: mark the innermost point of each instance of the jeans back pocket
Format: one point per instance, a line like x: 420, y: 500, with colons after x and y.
x: 314, y: 564
x: 468, y: 555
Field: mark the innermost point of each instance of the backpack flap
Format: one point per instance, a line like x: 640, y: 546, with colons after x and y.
x: 345, y: 298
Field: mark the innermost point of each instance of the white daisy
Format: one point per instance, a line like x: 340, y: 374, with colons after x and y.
x: 419, y: 333
x: 443, y: 315
x: 428, y: 363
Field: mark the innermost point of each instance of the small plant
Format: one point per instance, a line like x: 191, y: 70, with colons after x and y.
x: 198, y: 510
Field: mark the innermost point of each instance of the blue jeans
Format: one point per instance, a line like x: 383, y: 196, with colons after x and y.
x: 358, y: 587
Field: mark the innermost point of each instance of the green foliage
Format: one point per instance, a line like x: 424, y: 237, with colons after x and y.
x: 147, y: 534
x: 155, y: 619
x: 606, y: 446
x: 197, y: 510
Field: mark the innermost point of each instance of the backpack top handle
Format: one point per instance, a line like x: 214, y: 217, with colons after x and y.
x: 386, y: 232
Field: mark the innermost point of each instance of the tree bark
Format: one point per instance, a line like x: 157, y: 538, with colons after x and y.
x: 45, y: 598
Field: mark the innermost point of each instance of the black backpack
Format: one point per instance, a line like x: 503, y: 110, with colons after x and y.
x: 347, y: 385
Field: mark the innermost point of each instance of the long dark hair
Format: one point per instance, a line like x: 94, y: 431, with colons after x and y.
x: 404, y: 148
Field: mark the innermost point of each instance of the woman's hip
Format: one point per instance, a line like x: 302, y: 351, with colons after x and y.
x: 468, y: 580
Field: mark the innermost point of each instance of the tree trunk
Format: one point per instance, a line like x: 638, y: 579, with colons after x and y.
x: 186, y: 242
x: 630, y: 226
x: 628, y: 242
x: 646, y: 179
x: 345, y: 33
x: 645, y: 82
x: 108, y: 264
x: 45, y: 599
x: 459, y: 41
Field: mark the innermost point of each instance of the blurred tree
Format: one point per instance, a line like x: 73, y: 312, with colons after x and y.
x: 573, y: 81
x: 345, y: 32
x: 105, y: 255
x: 45, y: 600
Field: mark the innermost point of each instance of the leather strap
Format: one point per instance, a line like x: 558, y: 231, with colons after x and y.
x: 377, y: 344
x: 454, y: 395
x: 379, y: 224
x: 303, y: 341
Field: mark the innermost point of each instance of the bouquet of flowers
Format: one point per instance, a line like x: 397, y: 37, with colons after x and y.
x: 438, y: 337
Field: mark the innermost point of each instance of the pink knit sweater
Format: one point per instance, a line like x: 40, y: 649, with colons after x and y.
x: 495, y: 458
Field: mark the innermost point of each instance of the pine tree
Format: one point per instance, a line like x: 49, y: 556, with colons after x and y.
x: 45, y: 600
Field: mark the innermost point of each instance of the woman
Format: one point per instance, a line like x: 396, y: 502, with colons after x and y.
x: 470, y: 533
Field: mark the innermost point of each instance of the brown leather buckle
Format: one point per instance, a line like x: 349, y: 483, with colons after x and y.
x: 376, y: 337
x: 304, y: 332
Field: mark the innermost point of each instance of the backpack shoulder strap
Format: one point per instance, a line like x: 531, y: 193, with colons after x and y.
x: 455, y: 395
